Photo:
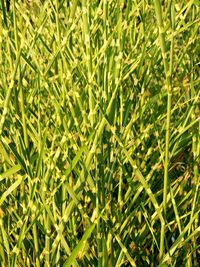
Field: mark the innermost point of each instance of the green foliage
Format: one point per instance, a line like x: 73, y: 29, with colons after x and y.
x: 99, y: 133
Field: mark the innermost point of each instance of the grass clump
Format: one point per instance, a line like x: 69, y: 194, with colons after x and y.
x: 99, y: 144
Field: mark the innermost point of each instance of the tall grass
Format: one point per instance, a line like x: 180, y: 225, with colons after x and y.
x: 99, y: 133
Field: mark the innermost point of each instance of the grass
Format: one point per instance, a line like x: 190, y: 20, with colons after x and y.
x: 99, y: 133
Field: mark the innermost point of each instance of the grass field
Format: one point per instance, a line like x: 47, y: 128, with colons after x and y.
x: 99, y: 133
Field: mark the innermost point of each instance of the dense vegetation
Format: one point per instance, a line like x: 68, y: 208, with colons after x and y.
x: 99, y: 133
